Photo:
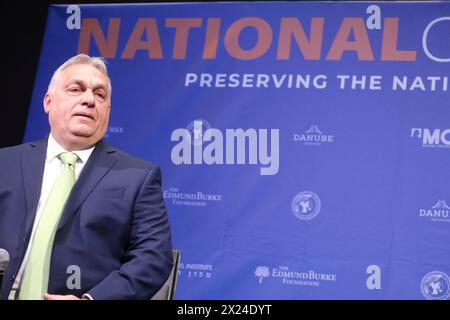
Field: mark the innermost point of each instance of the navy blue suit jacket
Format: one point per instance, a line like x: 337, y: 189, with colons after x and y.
x: 114, y: 227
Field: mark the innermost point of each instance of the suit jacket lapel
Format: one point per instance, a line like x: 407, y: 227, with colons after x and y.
x: 33, y: 164
x: 98, y: 165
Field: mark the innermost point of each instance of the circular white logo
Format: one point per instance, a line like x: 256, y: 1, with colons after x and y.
x: 197, y: 129
x: 435, y: 285
x: 305, y: 205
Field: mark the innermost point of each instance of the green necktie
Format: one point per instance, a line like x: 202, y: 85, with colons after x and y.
x: 35, y: 277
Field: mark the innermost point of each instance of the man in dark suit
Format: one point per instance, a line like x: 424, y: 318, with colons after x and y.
x: 110, y: 239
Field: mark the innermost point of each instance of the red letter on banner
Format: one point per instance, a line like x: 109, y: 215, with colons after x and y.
x: 389, y: 50
x: 182, y: 26
x: 361, y: 44
x: 309, y: 48
x: 262, y: 44
x: 106, y: 46
x: 211, y: 38
x: 152, y: 44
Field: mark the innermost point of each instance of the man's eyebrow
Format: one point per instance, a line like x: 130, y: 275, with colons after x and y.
x: 100, y: 86
x: 83, y: 83
x: 74, y: 80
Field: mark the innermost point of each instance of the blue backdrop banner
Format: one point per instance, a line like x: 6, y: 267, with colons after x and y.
x: 304, y: 146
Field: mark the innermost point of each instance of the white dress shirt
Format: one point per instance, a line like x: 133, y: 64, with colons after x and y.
x: 53, y: 168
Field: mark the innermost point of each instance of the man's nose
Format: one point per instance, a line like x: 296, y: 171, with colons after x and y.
x: 88, y: 99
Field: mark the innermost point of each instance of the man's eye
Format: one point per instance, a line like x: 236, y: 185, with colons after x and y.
x: 101, y: 96
x: 74, y: 89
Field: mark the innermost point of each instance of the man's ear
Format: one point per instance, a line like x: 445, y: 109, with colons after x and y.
x: 46, y: 102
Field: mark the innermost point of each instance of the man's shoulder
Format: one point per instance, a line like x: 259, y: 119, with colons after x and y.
x: 131, y: 160
x: 17, y: 150
x: 14, y: 149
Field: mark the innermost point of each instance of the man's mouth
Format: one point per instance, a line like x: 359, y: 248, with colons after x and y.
x: 83, y: 115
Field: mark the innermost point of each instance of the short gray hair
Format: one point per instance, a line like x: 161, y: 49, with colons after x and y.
x: 97, y: 62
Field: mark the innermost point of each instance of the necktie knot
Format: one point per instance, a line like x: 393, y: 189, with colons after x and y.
x: 68, y: 158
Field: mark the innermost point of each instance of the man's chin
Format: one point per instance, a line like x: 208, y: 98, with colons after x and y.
x: 82, y: 130
x: 81, y: 142
x: 85, y: 137
x: 82, y: 134
x: 87, y: 134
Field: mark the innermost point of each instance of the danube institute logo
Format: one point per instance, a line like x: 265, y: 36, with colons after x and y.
x: 435, y: 285
x: 313, y: 137
x: 439, y: 212
x: 306, y: 205
x: 262, y: 272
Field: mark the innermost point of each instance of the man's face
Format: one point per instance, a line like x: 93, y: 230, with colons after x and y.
x: 78, y: 107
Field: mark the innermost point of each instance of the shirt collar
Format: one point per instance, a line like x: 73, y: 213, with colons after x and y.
x: 54, y: 149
